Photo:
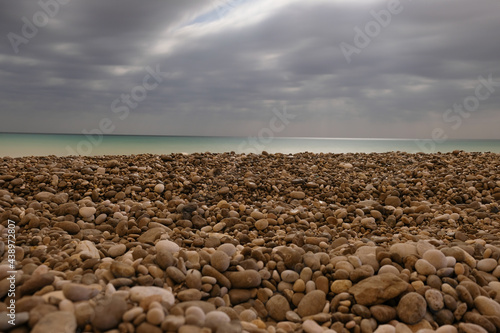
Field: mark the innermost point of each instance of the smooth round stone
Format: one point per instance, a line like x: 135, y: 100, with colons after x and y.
x: 424, y: 267
x: 193, y: 279
x: 388, y: 269
x: 436, y: 258
x: 289, y: 276
x: 167, y: 245
x: 87, y: 212
x: 69, y: 227
x: 248, y: 315
x: 447, y: 329
x: 340, y: 286
x: 297, y: 195
x: 312, y: 303
x: 155, y: 315
x: 392, y: 201
x: 434, y: 299
x: 459, y: 269
x: 78, y: 292
x: 189, y: 295
x: 138, y: 293
x: 299, y: 286
x: 59, y: 321
x: 487, y: 265
x: 228, y: 248
x: 487, y: 307
x: 120, y: 269
x: 278, y: 306
x: 424, y: 246
x: 471, y: 328
x: 216, y: 318
x: 159, y: 188
x: 310, y: 326
x: 132, y: 313
x: 220, y: 261
x: 175, y: 274
x: 385, y: 329
x: 383, y: 313
x: 261, y: 224
x: 404, y: 249
x: 411, y: 308
x: 257, y: 215
x: 194, y: 316
x: 245, y: 279
x: 117, y: 250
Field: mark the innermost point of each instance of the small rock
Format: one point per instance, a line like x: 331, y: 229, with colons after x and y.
x: 392, y: 201
x: 312, y: 303
x: 159, y: 188
x: 77, y: 292
x: 487, y: 265
x: 87, y: 212
x: 220, y: 261
x: 434, y: 299
x: 435, y: 258
x: 60, y: 321
x: 245, y: 279
x: 277, y: 306
x: 297, y: 195
x: 120, y: 269
x: 378, y: 289
x: 411, y: 308
x: 486, y: 306
x: 117, y: 250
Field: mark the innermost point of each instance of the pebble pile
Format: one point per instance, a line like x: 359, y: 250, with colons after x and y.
x: 390, y: 242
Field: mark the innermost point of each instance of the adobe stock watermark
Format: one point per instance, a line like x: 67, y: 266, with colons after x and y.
x: 120, y: 108
x: 371, y: 30
x: 460, y: 111
x: 256, y: 144
x: 29, y: 29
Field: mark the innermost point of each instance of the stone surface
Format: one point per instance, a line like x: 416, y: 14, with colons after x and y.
x: 411, y: 308
x: 60, y: 321
x: 278, y: 306
x: 378, y: 289
x: 312, y: 303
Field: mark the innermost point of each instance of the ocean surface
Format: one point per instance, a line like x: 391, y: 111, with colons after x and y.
x: 16, y: 145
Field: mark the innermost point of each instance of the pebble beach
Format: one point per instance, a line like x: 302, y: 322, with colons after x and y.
x: 205, y: 242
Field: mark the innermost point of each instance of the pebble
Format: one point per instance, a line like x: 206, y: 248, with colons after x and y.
x: 310, y: 326
x: 378, y: 289
x: 59, y: 321
x: 277, y: 307
x: 436, y: 258
x: 214, y: 319
x: 487, y: 307
x: 87, y: 212
x: 424, y: 267
x: 487, y: 265
x: 220, y: 261
x: 312, y: 303
x: 434, y: 299
x: 411, y: 308
x: 77, y: 292
x: 258, y: 243
x: 117, y: 250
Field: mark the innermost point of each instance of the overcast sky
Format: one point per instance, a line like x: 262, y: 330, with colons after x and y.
x: 329, y: 68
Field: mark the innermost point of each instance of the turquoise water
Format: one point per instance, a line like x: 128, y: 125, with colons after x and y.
x: 16, y: 145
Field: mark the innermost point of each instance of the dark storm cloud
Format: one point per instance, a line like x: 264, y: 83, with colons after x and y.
x: 229, y: 63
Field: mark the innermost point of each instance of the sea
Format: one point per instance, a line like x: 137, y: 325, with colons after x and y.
x: 19, y: 145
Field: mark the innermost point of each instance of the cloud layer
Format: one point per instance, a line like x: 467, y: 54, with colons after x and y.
x: 364, y: 69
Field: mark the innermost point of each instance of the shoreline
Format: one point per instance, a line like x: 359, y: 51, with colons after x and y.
x: 320, y: 242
